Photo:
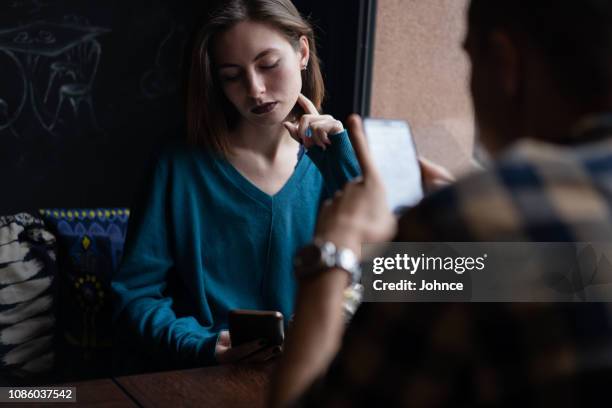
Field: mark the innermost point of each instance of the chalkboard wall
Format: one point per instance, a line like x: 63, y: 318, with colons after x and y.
x: 89, y: 90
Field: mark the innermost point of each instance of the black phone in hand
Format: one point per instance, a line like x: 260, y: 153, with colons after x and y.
x: 249, y: 325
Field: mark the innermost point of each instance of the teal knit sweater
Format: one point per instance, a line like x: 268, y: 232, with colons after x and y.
x: 208, y: 241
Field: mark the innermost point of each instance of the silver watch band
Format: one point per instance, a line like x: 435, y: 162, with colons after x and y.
x: 329, y: 257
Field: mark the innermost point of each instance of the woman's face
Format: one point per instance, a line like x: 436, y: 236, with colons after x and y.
x: 259, y: 71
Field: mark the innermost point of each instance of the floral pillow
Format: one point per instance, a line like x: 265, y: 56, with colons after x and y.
x: 90, y: 245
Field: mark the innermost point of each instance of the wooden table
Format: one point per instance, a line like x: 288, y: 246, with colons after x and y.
x: 95, y: 393
x: 220, y: 386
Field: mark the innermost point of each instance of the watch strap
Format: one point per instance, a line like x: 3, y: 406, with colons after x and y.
x: 320, y: 256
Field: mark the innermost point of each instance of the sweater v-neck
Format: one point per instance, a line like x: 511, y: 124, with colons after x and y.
x: 249, y: 188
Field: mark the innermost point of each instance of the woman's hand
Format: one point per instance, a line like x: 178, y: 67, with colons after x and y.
x: 313, y: 128
x: 434, y: 176
x: 252, y: 352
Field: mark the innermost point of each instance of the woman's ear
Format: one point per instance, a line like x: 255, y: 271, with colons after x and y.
x: 304, y: 52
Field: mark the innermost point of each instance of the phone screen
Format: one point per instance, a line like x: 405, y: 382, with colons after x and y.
x: 394, y: 153
x: 249, y: 325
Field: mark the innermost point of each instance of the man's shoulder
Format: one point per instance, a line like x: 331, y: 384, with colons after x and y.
x: 458, y: 211
x: 534, y: 188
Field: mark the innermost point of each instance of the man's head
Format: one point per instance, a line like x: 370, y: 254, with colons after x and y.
x: 538, y: 66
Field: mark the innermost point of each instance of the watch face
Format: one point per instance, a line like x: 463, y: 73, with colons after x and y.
x: 308, y: 256
x: 328, y: 254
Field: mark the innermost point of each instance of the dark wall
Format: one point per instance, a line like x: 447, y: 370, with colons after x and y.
x: 344, y: 32
x: 89, y: 90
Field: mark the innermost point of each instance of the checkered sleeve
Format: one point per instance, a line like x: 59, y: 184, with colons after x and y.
x: 431, y: 355
x: 394, y: 356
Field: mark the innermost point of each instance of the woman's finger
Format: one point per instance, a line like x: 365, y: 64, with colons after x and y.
x: 323, y: 128
x: 318, y: 135
x: 224, y: 338
x: 332, y: 126
x: 327, y: 122
x: 292, y: 128
x: 307, y: 105
x: 239, y: 352
x: 324, y: 138
x: 303, y: 125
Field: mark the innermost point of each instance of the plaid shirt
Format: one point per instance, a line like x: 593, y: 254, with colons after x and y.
x: 469, y: 354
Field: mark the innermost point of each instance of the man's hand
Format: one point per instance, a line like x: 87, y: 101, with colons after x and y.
x: 434, y: 176
x: 360, y: 212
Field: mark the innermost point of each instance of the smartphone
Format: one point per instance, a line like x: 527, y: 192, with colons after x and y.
x: 249, y: 325
x: 394, y: 153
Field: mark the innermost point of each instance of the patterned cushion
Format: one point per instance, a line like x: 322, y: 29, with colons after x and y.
x: 90, y: 248
x: 27, y: 293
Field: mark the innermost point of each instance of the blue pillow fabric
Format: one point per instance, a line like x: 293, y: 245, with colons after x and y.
x: 90, y: 248
x: 27, y: 297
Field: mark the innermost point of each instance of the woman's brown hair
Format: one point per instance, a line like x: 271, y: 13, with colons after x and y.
x: 210, y: 116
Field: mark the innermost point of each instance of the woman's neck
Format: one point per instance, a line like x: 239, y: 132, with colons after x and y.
x: 266, y: 156
x: 263, y: 141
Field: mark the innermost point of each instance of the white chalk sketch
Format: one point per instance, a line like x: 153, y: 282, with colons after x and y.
x: 75, y: 52
x: 6, y: 117
x: 159, y: 80
x: 82, y: 68
x: 34, y: 6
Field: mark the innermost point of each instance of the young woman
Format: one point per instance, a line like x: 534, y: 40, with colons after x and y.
x: 224, y: 215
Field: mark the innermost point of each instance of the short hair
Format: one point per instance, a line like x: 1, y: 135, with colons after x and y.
x: 210, y: 115
x: 574, y: 36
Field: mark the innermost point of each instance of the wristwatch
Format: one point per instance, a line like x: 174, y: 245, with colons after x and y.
x: 320, y: 256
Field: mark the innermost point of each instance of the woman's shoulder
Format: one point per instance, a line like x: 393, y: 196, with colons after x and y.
x: 180, y: 162
x: 181, y: 153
